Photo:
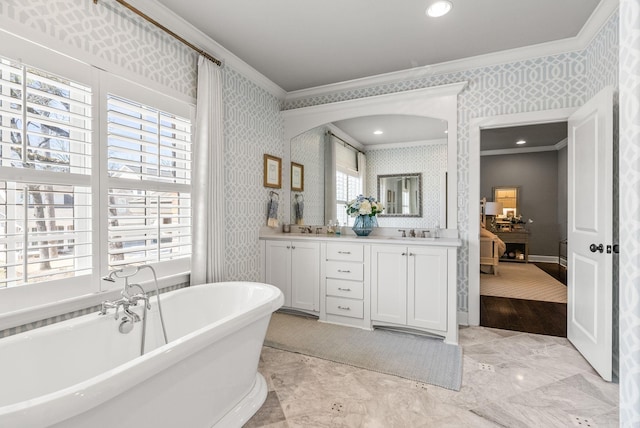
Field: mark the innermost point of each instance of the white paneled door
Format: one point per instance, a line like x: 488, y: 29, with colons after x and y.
x: 590, y: 246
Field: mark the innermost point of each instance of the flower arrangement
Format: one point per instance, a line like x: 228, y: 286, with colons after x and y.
x: 364, y: 206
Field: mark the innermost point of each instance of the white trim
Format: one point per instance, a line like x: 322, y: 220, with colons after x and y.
x: 561, y: 144
x: 515, y: 151
x: 348, y: 138
x: 463, y: 318
x: 440, y: 102
x: 475, y: 126
x: 436, y: 142
x: 187, y: 31
x: 591, y: 28
x: 534, y: 258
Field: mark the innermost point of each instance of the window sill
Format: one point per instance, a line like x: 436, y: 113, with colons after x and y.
x: 45, y: 311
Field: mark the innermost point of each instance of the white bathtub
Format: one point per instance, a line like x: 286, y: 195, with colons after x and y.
x: 84, y: 373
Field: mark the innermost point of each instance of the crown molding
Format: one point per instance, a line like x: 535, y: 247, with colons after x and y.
x: 407, y: 144
x: 343, y: 135
x: 596, y: 21
x: 553, y: 148
x: 187, y: 31
x: 180, y: 26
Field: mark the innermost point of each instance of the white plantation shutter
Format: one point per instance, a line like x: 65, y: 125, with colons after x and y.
x: 149, y: 164
x: 348, y: 187
x: 45, y: 176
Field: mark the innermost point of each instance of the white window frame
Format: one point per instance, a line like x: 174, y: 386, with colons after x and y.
x: 341, y: 205
x: 36, y: 301
x: 117, y: 86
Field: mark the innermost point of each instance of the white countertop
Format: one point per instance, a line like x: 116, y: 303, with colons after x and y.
x: 371, y: 239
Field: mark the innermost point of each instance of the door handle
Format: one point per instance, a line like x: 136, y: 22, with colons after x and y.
x: 598, y: 248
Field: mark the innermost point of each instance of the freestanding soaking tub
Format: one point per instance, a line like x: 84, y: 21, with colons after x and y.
x: 85, y: 373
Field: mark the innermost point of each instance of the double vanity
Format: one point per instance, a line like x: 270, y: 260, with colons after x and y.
x: 366, y: 282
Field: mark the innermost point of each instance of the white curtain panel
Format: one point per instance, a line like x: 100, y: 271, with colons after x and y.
x: 329, y: 178
x: 362, y: 173
x: 207, y: 258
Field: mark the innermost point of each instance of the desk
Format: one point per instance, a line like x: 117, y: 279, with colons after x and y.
x: 517, y: 242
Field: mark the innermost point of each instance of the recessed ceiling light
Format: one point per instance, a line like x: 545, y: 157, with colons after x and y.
x: 378, y: 132
x: 521, y: 142
x: 439, y: 8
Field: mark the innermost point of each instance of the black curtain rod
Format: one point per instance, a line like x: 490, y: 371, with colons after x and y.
x: 166, y: 30
x: 353, y: 147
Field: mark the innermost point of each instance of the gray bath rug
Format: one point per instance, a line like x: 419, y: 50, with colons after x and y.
x: 418, y: 358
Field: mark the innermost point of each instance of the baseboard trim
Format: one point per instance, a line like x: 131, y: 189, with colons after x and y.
x: 463, y: 318
x: 543, y: 259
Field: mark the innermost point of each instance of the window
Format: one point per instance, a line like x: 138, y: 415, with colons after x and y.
x: 348, y: 187
x: 149, y: 166
x: 45, y: 176
x: 88, y: 184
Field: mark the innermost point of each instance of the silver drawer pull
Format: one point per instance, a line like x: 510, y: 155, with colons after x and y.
x: 344, y: 308
x: 344, y: 271
x: 344, y: 252
x: 344, y: 289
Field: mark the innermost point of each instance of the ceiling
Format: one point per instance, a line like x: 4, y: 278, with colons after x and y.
x: 303, y: 44
x: 395, y: 129
x: 548, y: 134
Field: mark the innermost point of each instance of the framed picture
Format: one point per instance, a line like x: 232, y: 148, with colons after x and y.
x: 272, y: 171
x: 297, y: 177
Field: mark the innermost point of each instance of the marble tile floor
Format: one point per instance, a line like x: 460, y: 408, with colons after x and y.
x: 510, y: 379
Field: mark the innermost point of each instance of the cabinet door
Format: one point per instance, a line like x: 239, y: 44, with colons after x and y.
x: 278, y: 267
x: 305, y: 275
x: 427, y: 288
x: 389, y: 284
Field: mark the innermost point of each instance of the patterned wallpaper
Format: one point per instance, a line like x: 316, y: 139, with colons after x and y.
x: 430, y: 160
x: 550, y: 82
x: 630, y: 205
x: 253, y: 125
x: 107, y: 34
x: 307, y: 149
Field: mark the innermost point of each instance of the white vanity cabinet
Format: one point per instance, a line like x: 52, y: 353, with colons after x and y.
x: 376, y: 281
x: 294, y: 267
x: 410, y: 287
x: 343, y: 276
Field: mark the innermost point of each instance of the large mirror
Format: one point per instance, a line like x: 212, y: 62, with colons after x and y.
x: 307, y: 134
x: 401, y: 195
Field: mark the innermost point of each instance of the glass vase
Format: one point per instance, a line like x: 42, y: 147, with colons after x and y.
x: 364, y: 224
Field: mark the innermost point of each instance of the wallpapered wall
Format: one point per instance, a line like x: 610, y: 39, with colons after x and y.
x: 630, y: 206
x: 430, y: 160
x: 253, y: 124
x: 550, y: 82
x: 307, y: 149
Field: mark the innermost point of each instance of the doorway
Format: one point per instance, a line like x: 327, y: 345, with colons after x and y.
x: 523, y: 172
x: 475, y: 127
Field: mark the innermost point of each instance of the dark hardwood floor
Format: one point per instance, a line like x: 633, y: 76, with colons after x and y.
x: 555, y: 270
x: 530, y: 316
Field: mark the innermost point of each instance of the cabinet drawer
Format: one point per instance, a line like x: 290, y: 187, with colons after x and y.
x: 345, y: 252
x: 345, y: 307
x: 342, y: 270
x: 341, y: 288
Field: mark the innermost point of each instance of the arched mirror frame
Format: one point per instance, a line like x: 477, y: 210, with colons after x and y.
x: 438, y: 102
